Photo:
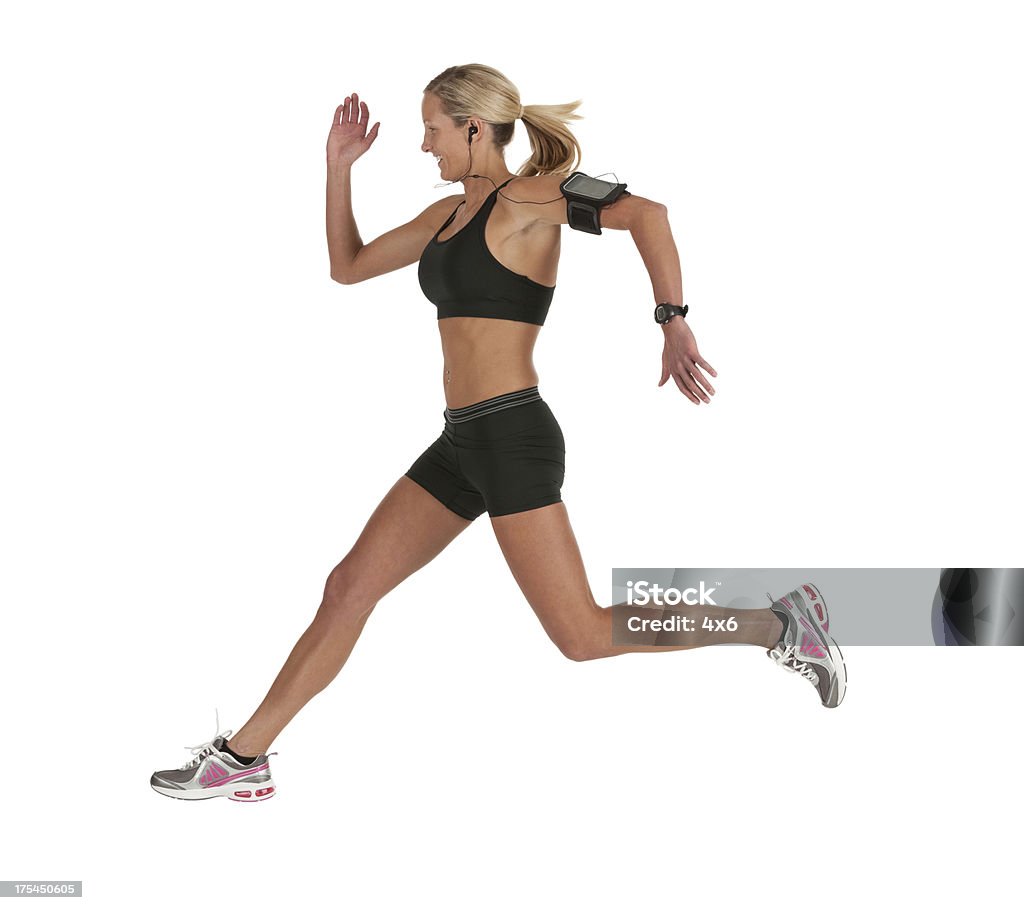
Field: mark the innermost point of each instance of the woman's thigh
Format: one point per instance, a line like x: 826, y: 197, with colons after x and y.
x: 542, y: 552
x: 406, y: 531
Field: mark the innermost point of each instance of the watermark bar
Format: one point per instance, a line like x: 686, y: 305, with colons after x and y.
x: 893, y: 606
x: 28, y: 888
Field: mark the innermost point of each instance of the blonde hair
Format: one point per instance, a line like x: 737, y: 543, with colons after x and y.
x: 475, y: 90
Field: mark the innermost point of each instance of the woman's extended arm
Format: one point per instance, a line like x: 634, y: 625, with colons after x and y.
x: 652, y: 235
x: 647, y: 222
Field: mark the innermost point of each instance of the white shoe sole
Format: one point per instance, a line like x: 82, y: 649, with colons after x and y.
x: 837, y: 661
x: 237, y: 792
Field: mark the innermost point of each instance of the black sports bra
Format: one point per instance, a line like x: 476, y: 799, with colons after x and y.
x: 461, y: 277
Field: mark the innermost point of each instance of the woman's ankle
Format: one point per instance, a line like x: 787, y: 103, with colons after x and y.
x: 242, y: 748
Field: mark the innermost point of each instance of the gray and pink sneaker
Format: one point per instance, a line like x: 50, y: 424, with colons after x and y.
x: 215, y: 773
x: 806, y: 647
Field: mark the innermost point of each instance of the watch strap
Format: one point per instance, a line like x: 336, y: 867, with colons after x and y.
x: 663, y: 312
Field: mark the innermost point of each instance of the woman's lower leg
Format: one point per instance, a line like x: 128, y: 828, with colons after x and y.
x: 406, y: 531
x: 542, y: 552
x: 705, y: 625
x: 313, y: 663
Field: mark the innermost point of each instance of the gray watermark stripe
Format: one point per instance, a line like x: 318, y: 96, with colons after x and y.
x: 894, y: 606
x: 39, y: 888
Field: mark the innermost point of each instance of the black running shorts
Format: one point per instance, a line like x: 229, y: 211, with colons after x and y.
x: 502, y: 455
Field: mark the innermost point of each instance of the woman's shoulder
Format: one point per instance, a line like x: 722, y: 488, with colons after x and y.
x: 537, y: 198
x: 535, y: 188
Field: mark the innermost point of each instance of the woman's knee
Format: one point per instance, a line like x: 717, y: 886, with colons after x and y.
x: 574, y: 651
x: 579, y: 648
x: 344, y: 597
x: 587, y: 635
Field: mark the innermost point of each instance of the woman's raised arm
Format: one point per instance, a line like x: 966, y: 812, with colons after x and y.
x: 352, y: 260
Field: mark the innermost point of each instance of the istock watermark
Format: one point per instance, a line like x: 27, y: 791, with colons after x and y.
x: 866, y: 606
x: 642, y: 593
x: 660, y: 615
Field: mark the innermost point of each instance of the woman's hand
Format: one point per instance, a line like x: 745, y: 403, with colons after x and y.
x: 348, y: 138
x: 682, y: 361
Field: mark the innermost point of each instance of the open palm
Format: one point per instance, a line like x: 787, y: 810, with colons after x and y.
x: 348, y: 138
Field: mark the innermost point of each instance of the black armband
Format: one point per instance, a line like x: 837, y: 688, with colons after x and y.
x: 585, y: 197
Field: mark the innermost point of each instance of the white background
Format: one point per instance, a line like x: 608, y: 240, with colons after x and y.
x: 195, y: 434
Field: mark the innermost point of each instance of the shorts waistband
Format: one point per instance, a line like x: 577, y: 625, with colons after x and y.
x: 489, y: 405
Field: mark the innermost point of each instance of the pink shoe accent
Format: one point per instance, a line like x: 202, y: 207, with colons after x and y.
x: 815, y: 601
x: 213, y: 774
x: 248, y: 796
x: 811, y: 643
x: 220, y: 777
x: 811, y: 648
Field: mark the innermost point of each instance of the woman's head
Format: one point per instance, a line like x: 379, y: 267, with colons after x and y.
x: 476, y: 95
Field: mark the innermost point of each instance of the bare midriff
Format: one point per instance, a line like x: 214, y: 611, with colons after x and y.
x: 485, y: 357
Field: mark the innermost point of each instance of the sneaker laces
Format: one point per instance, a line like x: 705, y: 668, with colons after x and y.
x: 786, y: 658
x: 203, y: 749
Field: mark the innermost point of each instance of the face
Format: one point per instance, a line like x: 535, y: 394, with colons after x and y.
x: 442, y: 138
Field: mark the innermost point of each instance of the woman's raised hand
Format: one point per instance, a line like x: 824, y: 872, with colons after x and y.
x: 348, y: 138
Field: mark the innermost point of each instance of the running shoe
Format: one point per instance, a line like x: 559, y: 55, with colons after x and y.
x: 213, y: 772
x: 806, y: 647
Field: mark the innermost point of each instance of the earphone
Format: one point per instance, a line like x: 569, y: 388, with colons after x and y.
x: 472, y: 131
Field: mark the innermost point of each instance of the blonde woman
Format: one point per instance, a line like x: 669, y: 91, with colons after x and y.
x: 488, y: 258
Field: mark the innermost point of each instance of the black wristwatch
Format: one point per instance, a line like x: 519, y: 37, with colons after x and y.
x: 663, y: 312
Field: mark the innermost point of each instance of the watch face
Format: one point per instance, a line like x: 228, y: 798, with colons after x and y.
x: 590, y: 187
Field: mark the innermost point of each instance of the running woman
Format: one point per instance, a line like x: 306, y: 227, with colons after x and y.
x: 488, y: 258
